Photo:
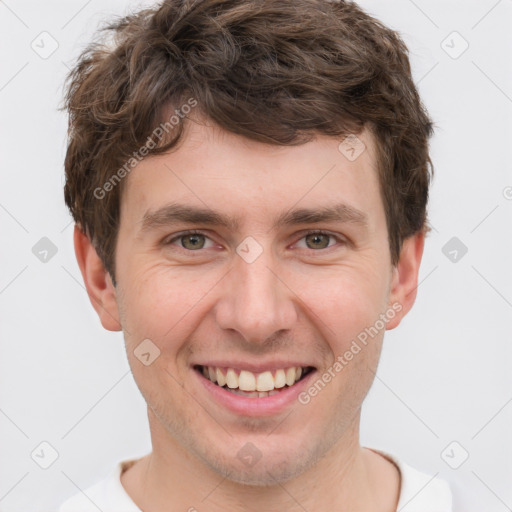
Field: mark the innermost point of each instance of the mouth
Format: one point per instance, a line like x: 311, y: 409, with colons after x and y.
x: 254, y: 385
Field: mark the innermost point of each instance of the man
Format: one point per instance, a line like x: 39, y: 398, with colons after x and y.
x: 249, y: 182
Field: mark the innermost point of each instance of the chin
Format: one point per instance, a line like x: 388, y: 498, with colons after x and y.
x: 267, y: 467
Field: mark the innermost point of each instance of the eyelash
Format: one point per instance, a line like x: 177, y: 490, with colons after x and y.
x: 305, y: 234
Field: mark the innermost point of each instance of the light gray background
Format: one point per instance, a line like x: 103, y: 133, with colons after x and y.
x: 445, y: 372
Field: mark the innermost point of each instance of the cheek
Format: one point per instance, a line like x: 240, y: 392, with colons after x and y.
x: 162, y: 301
x: 345, y: 300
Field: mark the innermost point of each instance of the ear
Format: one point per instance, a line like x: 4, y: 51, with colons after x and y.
x: 98, y: 282
x: 405, y: 278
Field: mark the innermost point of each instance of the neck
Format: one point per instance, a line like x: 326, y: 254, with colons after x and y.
x: 347, y: 478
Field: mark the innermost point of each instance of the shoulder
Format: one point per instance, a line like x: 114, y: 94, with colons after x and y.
x: 420, y: 492
x: 107, y: 495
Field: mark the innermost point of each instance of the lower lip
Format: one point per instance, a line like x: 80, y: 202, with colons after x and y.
x: 261, y: 406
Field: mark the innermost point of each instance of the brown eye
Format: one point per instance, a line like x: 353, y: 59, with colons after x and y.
x: 317, y: 240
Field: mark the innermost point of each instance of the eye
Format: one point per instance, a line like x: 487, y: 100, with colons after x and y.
x: 319, y: 240
x: 191, y: 241
x: 194, y: 241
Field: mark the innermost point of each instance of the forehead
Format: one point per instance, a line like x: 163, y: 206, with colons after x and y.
x: 216, y: 170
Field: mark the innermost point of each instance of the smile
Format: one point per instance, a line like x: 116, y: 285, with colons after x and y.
x: 254, y: 385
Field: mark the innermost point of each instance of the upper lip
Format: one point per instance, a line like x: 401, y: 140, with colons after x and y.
x: 253, y: 367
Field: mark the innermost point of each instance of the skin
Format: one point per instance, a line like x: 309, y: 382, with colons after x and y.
x: 294, y: 301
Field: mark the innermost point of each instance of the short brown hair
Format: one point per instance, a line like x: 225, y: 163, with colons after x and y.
x: 276, y: 71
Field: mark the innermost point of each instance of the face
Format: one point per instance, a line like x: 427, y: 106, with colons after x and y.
x: 260, y: 282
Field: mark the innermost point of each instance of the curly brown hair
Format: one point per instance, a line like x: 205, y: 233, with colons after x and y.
x: 276, y: 71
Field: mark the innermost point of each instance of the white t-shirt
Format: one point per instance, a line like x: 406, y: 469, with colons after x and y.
x: 419, y: 492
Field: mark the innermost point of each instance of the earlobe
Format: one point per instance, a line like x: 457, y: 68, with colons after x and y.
x: 97, y: 280
x: 405, y: 278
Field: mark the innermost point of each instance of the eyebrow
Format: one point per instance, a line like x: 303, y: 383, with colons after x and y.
x: 174, y: 213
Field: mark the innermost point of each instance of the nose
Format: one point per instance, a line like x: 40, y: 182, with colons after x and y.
x: 256, y: 301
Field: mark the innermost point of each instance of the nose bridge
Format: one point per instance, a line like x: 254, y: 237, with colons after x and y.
x: 256, y: 303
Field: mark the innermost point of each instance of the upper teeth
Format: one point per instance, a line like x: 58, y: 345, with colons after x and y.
x: 248, y: 381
